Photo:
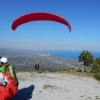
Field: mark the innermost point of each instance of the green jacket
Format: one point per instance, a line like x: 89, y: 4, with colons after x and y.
x: 2, y: 69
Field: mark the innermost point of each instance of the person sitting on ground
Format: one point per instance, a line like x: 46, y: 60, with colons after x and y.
x: 7, y: 68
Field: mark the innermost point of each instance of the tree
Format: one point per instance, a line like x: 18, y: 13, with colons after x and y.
x: 87, y: 59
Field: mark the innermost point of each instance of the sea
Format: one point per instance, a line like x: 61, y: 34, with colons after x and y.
x: 72, y: 54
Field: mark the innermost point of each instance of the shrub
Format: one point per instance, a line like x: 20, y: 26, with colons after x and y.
x: 97, y: 75
x: 79, y: 70
x: 94, y: 71
x: 95, y: 68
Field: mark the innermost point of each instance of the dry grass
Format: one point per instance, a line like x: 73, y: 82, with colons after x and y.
x: 73, y: 72
x: 49, y: 87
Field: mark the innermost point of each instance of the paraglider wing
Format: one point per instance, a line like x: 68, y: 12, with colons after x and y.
x: 39, y: 16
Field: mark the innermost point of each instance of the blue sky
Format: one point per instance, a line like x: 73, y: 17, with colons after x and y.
x: 83, y: 15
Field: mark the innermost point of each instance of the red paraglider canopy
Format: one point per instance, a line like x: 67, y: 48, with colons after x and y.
x: 8, y: 91
x: 39, y: 16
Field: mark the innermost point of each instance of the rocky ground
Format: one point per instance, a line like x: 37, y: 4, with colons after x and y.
x: 56, y: 86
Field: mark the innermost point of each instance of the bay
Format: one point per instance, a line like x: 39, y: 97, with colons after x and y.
x: 72, y: 54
